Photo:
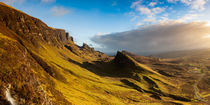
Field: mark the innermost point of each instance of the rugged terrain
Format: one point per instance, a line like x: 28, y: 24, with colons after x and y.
x: 42, y: 65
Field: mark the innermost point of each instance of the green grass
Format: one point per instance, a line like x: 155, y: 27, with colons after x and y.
x: 40, y: 72
x: 77, y: 84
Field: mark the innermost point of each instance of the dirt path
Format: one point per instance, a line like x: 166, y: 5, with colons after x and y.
x: 196, y: 88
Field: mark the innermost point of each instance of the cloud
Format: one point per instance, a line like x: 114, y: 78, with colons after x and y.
x: 157, y: 10
x: 102, y: 33
x: 198, y: 4
x: 149, y: 9
x: 48, y: 1
x: 11, y: 2
x: 194, y: 4
x: 139, y: 24
x: 150, y: 12
x: 188, y: 17
x: 163, y: 19
x: 151, y: 20
x: 144, y: 10
x: 172, y: 1
x: 152, y: 4
x: 59, y: 11
x: 167, y: 36
x: 136, y: 3
x: 134, y: 18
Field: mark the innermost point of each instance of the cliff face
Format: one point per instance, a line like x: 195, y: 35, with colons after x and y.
x: 30, y: 28
x: 23, y: 66
x: 35, y: 32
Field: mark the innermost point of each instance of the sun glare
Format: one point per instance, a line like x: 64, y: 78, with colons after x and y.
x: 208, y: 24
x: 207, y: 36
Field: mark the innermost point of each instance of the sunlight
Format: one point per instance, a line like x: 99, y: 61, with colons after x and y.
x: 207, y: 36
x: 208, y: 24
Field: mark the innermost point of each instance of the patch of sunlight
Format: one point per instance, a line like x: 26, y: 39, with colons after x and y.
x: 208, y: 24
x: 206, y: 36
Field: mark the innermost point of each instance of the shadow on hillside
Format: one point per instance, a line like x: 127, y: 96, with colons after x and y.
x: 102, y: 68
x: 112, y: 69
x: 155, y: 94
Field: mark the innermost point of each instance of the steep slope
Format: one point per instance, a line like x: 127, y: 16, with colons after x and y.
x: 42, y: 65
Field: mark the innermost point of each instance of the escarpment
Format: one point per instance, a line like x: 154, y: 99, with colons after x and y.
x: 31, y: 29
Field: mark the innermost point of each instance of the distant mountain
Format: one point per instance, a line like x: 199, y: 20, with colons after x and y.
x: 41, y: 65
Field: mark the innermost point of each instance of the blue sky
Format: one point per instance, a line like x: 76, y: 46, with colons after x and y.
x: 83, y: 18
x: 86, y: 19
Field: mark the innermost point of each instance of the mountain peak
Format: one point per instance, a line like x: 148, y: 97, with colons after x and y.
x: 123, y: 59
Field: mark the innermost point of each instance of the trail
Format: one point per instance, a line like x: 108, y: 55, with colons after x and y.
x: 8, y: 95
x: 196, y: 88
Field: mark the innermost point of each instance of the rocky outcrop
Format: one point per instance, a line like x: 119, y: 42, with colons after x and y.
x: 86, y: 47
x: 130, y: 65
x: 91, y: 52
x: 124, y: 60
x: 86, y: 51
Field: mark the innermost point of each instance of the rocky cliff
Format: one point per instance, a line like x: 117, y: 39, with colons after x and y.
x: 30, y: 28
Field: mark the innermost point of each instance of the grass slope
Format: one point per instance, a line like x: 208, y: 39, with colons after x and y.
x: 54, y: 74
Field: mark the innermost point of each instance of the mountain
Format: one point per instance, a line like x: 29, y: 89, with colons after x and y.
x: 41, y: 65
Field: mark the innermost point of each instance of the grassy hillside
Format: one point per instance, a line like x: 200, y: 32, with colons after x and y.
x: 44, y: 66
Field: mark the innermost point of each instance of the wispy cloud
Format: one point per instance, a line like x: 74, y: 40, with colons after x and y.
x: 59, y: 11
x: 152, y: 4
x: 167, y: 36
x: 189, y: 17
x: 48, y: 1
x: 139, y: 24
x: 172, y: 1
x: 149, y: 10
x: 153, y: 12
x: 150, y: 20
x: 194, y: 4
x: 136, y: 3
x: 198, y: 4
x: 157, y: 10
x: 102, y: 33
x: 144, y: 10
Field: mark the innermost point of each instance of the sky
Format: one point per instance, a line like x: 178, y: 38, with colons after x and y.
x: 139, y: 26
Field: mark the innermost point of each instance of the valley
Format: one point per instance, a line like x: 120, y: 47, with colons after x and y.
x: 41, y: 65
